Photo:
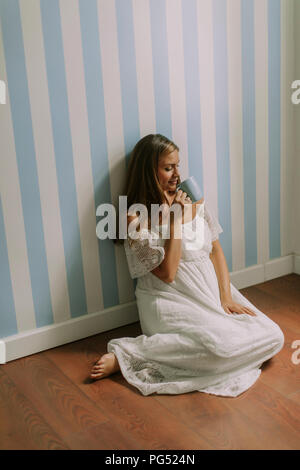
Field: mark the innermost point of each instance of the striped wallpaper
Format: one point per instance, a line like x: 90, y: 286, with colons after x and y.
x: 86, y: 79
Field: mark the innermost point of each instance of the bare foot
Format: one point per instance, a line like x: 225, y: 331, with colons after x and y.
x: 106, y: 365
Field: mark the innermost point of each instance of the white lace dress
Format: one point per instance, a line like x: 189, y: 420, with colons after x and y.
x: 189, y: 343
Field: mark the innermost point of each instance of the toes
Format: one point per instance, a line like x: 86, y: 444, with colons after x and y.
x: 98, y: 369
x: 99, y: 362
x: 96, y: 374
x: 95, y: 370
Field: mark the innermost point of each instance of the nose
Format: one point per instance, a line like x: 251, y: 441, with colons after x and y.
x: 175, y: 173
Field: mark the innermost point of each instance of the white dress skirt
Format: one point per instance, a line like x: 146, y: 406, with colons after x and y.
x: 189, y: 343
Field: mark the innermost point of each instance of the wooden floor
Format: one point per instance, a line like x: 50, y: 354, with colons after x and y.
x: 48, y: 402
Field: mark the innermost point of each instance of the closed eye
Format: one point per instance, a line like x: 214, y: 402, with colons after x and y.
x: 169, y: 169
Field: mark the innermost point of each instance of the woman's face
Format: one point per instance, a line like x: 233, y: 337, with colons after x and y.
x: 168, y: 171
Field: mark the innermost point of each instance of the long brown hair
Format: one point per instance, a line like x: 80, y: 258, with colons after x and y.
x: 142, y: 184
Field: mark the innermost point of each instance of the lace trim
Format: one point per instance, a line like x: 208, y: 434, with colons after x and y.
x: 154, y: 377
x: 143, y: 253
x: 235, y: 386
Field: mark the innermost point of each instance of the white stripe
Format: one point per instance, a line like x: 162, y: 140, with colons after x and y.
x: 236, y: 133
x: 71, y: 35
x: 114, y: 127
x: 45, y: 157
x: 207, y: 100
x: 177, y: 82
x: 144, y: 66
x: 287, y: 134
x: 262, y: 128
x: 13, y: 214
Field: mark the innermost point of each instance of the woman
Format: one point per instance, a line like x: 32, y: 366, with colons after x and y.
x: 199, y: 332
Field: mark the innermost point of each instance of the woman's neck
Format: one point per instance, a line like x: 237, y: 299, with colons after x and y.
x: 170, y: 196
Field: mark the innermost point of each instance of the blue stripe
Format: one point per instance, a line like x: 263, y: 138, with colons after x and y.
x: 128, y: 78
x: 26, y: 159
x: 192, y: 89
x: 160, y: 68
x: 274, y: 57
x: 128, y: 74
x: 249, y: 137
x: 222, y: 124
x: 63, y: 154
x: 8, y: 324
x: 98, y: 141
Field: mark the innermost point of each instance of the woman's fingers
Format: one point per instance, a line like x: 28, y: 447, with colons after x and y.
x: 234, y: 307
x: 239, y: 309
x: 250, y: 311
x: 227, y: 310
x: 182, y: 197
x: 247, y: 311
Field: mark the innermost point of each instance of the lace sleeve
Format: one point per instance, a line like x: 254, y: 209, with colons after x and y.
x: 143, y: 255
x: 212, y: 222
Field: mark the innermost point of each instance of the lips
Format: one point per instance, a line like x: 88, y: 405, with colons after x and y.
x: 173, y: 181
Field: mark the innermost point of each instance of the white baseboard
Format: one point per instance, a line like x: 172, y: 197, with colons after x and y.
x: 279, y: 267
x: 263, y: 272
x: 48, y: 337
x: 296, y: 264
x: 248, y: 276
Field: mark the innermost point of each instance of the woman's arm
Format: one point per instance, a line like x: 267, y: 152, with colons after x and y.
x: 167, y: 269
x: 219, y: 261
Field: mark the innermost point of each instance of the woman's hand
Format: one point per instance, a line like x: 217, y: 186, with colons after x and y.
x: 183, y: 199
x: 233, y: 307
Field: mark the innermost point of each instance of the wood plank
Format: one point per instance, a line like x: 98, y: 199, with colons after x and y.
x: 284, y: 287
x: 104, y: 436
x: 280, y: 309
x: 149, y: 425
x: 224, y: 427
x: 22, y: 427
x: 277, y: 417
x: 282, y: 375
x: 55, y: 397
